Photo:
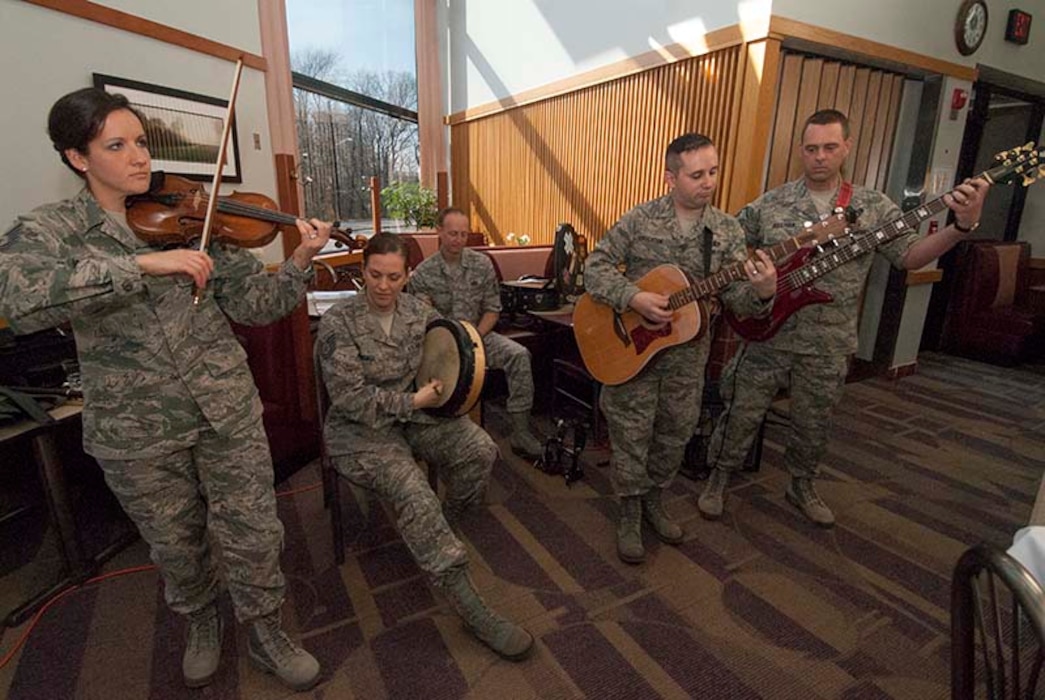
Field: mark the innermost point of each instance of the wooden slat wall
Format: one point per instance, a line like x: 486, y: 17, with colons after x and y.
x: 590, y: 155
x: 870, y: 97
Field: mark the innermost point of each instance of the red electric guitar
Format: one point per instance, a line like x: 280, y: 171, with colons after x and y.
x: 795, y: 277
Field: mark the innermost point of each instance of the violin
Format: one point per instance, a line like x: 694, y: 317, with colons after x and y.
x: 173, y: 211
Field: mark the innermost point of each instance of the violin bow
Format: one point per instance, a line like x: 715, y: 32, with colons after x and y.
x: 223, y: 147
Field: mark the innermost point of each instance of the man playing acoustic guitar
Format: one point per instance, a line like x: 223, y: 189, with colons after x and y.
x: 652, y: 415
x: 810, y: 352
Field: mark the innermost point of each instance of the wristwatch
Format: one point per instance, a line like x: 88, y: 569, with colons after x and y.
x: 961, y: 229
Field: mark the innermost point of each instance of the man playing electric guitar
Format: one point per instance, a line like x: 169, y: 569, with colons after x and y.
x: 653, y: 415
x: 809, y: 354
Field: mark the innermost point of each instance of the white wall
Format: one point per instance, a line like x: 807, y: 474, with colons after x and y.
x: 927, y: 27
x: 37, y: 73
x: 499, y: 48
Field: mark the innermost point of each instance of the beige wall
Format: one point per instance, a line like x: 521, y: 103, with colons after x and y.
x: 36, y: 75
x: 927, y: 27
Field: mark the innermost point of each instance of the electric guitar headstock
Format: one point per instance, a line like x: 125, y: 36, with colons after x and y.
x: 830, y: 229
x: 1025, y: 162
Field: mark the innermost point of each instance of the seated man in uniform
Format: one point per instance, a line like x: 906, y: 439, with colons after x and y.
x: 461, y: 284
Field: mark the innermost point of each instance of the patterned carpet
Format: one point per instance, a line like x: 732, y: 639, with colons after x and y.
x: 759, y: 605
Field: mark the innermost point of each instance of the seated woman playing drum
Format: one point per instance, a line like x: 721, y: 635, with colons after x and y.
x: 370, y: 349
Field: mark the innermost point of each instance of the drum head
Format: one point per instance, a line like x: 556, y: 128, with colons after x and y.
x: 440, y: 359
x: 453, y: 353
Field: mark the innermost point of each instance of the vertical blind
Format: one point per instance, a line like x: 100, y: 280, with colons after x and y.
x: 868, y: 96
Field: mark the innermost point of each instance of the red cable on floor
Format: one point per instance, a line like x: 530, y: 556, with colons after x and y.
x: 102, y: 577
x: 46, y: 606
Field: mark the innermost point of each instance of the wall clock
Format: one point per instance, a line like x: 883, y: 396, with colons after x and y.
x: 970, y: 26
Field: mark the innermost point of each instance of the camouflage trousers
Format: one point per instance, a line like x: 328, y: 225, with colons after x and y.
x: 462, y: 453
x: 651, y: 418
x: 504, y: 353
x: 223, y: 484
x: 748, y: 386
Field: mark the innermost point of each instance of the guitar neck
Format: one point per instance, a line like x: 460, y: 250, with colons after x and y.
x: 860, y: 244
x: 729, y: 274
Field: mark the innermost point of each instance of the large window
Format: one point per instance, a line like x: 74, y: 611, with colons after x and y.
x: 355, y: 91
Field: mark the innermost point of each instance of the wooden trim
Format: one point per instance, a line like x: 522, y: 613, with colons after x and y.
x: 785, y: 28
x: 342, y: 258
x: 673, y: 53
x: 279, y: 89
x: 84, y: 9
x: 1037, y: 263
x: 918, y: 277
x: 430, y: 129
x: 754, y: 121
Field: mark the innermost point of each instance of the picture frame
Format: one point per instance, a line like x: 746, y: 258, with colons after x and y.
x: 184, y: 128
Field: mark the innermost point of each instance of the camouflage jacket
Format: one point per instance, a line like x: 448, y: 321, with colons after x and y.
x: 822, y: 328
x: 464, y: 297
x: 369, y: 376
x: 648, y: 236
x: 154, y: 368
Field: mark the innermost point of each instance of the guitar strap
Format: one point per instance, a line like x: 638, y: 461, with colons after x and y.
x: 707, y: 252
x: 845, y: 193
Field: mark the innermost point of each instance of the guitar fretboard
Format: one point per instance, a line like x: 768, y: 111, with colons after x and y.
x: 862, y: 243
x: 733, y: 273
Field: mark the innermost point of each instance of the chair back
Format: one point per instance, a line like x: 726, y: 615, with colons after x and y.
x: 997, y: 627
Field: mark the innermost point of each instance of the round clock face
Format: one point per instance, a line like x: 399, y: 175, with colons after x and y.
x: 971, y: 26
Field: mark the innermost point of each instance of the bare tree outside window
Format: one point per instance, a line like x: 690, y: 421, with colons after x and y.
x: 343, y: 145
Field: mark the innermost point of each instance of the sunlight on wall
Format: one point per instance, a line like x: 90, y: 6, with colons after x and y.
x: 690, y: 33
x: 754, y: 18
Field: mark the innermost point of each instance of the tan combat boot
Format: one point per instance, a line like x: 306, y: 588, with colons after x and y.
x: 202, y: 647
x: 272, y: 651
x: 666, y: 529
x: 802, y: 495
x: 712, y: 500
x: 629, y: 531
x: 522, y: 441
x: 507, y: 639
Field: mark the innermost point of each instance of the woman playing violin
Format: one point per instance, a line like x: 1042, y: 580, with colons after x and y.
x: 170, y: 408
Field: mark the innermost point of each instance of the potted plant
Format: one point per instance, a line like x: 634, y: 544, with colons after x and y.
x: 409, y: 201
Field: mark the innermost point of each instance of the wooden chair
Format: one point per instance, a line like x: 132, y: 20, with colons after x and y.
x: 331, y: 478
x: 997, y: 627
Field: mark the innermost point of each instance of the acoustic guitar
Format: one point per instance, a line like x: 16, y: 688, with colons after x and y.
x: 794, y: 286
x: 616, y: 346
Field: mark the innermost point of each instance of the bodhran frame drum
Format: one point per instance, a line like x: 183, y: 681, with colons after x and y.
x: 453, y: 353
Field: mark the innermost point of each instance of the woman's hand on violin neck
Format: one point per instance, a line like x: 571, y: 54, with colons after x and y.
x: 179, y: 261
x: 314, y: 235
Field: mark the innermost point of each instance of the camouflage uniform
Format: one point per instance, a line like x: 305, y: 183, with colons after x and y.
x: 810, y: 352
x: 170, y: 407
x: 652, y: 416
x: 372, y: 431
x: 466, y: 293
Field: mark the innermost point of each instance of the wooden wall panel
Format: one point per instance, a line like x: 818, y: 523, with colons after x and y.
x: 590, y: 155
x: 868, y: 96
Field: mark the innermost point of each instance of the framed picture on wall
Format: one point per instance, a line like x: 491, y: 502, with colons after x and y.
x: 184, y: 129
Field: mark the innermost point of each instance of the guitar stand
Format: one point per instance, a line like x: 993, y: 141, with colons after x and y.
x: 556, y: 446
